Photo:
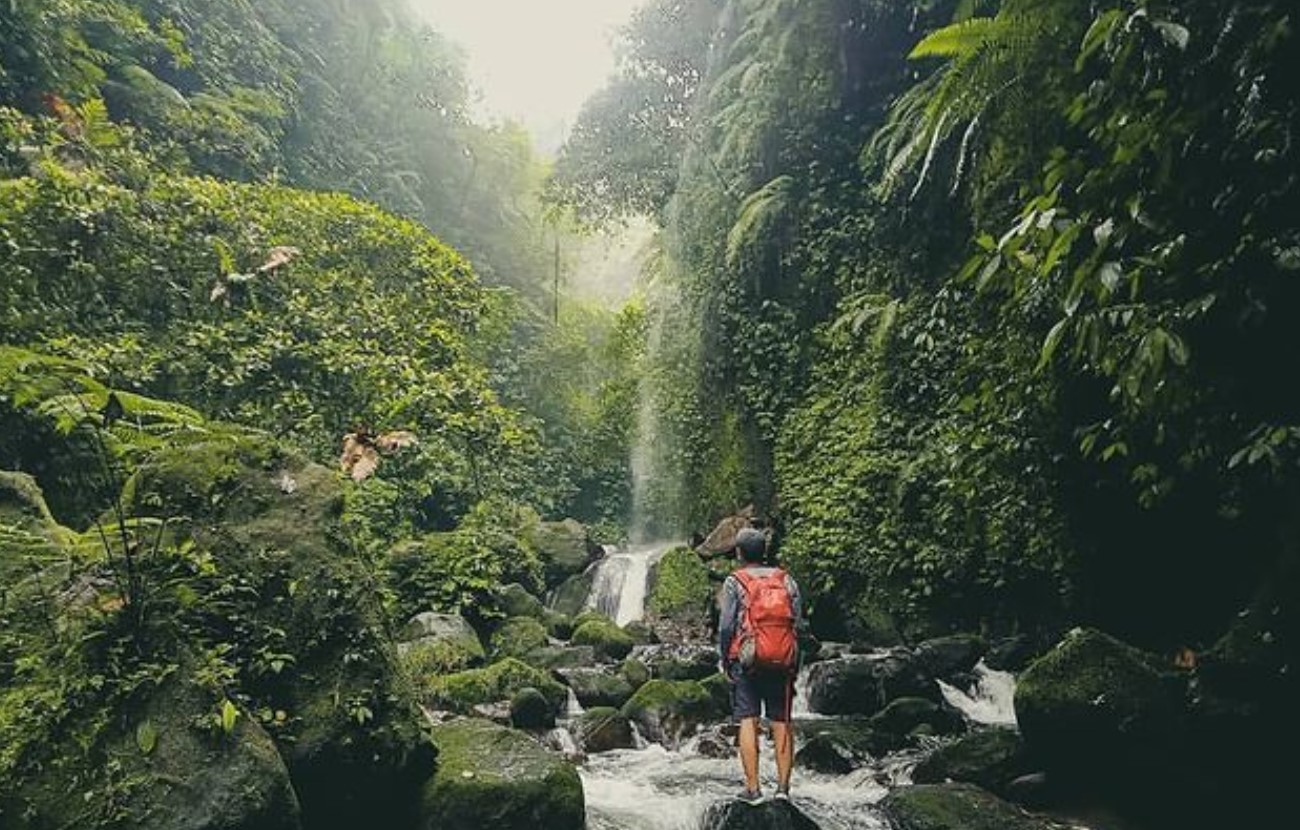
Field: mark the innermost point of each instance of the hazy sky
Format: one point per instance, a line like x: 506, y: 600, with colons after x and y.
x: 534, y: 60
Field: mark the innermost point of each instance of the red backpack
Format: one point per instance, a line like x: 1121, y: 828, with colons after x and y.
x: 766, y: 639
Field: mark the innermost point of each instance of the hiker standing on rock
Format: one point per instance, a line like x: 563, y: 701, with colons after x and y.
x: 761, y: 613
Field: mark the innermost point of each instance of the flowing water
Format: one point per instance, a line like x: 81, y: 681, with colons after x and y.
x: 654, y: 788
x: 622, y: 579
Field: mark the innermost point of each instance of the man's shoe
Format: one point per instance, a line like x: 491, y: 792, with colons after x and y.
x: 750, y: 797
x: 782, y: 795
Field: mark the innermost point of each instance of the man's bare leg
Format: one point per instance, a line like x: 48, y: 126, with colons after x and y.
x: 783, y: 737
x: 748, y: 741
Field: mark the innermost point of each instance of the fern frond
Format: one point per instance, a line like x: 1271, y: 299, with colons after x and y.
x: 958, y: 40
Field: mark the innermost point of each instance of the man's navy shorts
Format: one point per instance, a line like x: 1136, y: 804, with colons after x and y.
x: 762, y: 693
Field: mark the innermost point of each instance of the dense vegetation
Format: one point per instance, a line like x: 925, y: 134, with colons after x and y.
x: 983, y: 300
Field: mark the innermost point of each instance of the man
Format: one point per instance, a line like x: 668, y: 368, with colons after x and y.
x: 761, y: 614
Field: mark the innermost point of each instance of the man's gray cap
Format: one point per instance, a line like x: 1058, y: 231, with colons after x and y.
x: 751, y: 542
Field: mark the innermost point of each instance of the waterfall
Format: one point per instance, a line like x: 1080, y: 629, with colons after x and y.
x: 622, y: 580
x: 989, y: 701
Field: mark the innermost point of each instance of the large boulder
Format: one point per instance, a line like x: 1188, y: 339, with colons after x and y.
x: 951, y: 656
x: 462, y: 691
x: 514, y: 600
x: 597, y: 687
x: 570, y: 598
x: 518, y: 636
x: 842, y: 745
x: 916, y: 715
x: 433, y: 644
x: 184, y: 776
x: 679, y: 661
x: 561, y: 657
x: 602, y: 729
x: 668, y: 710
x: 863, y: 684
x: 989, y: 758
x: 680, y: 587
x: 1096, y: 705
x: 493, y: 778
x: 529, y: 709
x: 565, y: 549
x: 955, y: 807
x: 267, y: 524
x: 609, y: 641
x: 770, y: 815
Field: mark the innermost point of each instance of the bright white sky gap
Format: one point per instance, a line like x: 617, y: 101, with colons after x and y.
x: 535, y: 61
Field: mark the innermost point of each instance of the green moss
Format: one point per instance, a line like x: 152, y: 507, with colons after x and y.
x: 514, y: 600
x: 430, y: 658
x: 954, y: 807
x: 493, y: 778
x: 636, y: 673
x: 989, y: 758
x: 609, y: 641
x: 681, y: 588
x: 571, y: 595
x: 666, y: 710
x: 462, y: 691
x: 517, y: 637
x: 560, y: 626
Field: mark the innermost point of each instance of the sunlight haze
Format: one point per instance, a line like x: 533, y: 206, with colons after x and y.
x: 533, y: 61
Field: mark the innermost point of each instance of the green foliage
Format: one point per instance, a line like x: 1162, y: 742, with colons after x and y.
x: 681, y: 586
x: 462, y: 691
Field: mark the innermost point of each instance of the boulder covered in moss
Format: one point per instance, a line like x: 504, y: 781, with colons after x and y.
x: 1094, y: 703
x: 679, y: 661
x: 956, y: 807
x: 30, y: 538
x: 570, y: 597
x: 953, y: 656
x: 863, y: 684
x: 267, y: 522
x: 462, y: 691
x: 565, y: 549
x: 680, y: 587
x: 842, y: 745
x: 609, y: 641
x: 515, y: 600
x: 529, y: 709
x: 559, y: 626
x: 667, y: 711
x: 989, y: 758
x: 603, y: 729
x: 635, y: 672
x: 907, y: 715
x: 187, y: 770
x: 597, y: 686
x: 561, y: 657
x: 493, y: 778
x: 434, y: 644
x: 518, y: 636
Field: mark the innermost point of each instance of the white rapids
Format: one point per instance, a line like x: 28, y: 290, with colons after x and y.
x: 622, y: 580
x: 990, y: 701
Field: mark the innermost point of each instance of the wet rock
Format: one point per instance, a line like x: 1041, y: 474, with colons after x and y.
x: 498, y: 712
x: 989, y: 758
x: 841, y: 746
x: 865, y: 684
x: 905, y: 715
x: 667, y: 710
x: 1011, y: 654
x: 565, y: 549
x: 603, y: 729
x: 518, y: 636
x: 514, y: 600
x: 571, y: 596
x: 607, y: 639
x: 947, y: 657
x: 955, y: 807
x: 1095, y: 705
x: 462, y: 691
x: 561, y: 657
x: 679, y: 661
x: 770, y: 815
x: 493, y: 778
x: 723, y: 538
x: 529, y: 709
x: 597, y: 687
x: 640, y: 633
x: 634, y: 672
x: 714, y: 744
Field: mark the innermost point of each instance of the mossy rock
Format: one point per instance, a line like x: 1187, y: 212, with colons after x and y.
x: 30, y: 538
x: 462, y: 691
x: 770, y: 815
x: 561, y: 657
x: 183, y: 775
x: 680, y: 587
x: 559, y: 626
x: 493, y: 778
x: 435, y: 644
x: 1094, y: 703
x: 597, y: 687
x: 989, y: 758
x: 590, y: 615
x: 529, y: 709
x: 514, y: 600
x: 518, y: 636
x: 570, y: 598
x: 609, y: 641
x: 603, y: 729
x: 953, y: 655
x: 565, y: 549
x: 842, y: 745
x: 640, y: 633
x: 669, y: 710
x: 635, y: 672
x: 905, y: 715
x: 955, y: 807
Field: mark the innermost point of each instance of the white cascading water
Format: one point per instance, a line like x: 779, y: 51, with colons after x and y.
x: 990, y: 701
x: 621, y: 581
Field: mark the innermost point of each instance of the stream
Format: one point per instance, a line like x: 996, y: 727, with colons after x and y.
x: 654, y: 788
